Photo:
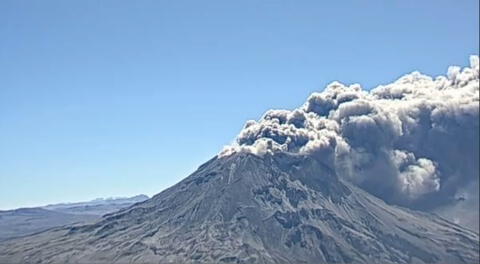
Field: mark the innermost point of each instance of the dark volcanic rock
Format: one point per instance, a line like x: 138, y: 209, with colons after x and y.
x: 247, y: 209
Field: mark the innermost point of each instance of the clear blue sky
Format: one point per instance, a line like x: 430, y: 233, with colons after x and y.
x: 116, y: 98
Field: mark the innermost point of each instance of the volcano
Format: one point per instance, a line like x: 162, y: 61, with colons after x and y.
x: 246, y: 208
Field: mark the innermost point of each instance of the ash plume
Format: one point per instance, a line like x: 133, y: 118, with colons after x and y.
x: 414, y: 142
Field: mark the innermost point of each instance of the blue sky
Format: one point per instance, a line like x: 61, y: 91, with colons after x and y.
x: 116, y: 98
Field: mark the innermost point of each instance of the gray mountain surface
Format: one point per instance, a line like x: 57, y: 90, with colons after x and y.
x: 243, y: 208
x: 27, y: 221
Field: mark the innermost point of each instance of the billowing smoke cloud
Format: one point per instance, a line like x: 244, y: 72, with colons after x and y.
x: 414, y: 142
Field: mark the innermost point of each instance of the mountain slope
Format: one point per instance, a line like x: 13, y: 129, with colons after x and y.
x: 27, y: 221
x: 243, y: 208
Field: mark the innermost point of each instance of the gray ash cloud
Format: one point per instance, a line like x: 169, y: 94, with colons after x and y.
x: 414, y: 142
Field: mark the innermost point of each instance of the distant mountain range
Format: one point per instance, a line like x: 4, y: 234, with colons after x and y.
x: 98, y: 206
x: 27, y: 221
